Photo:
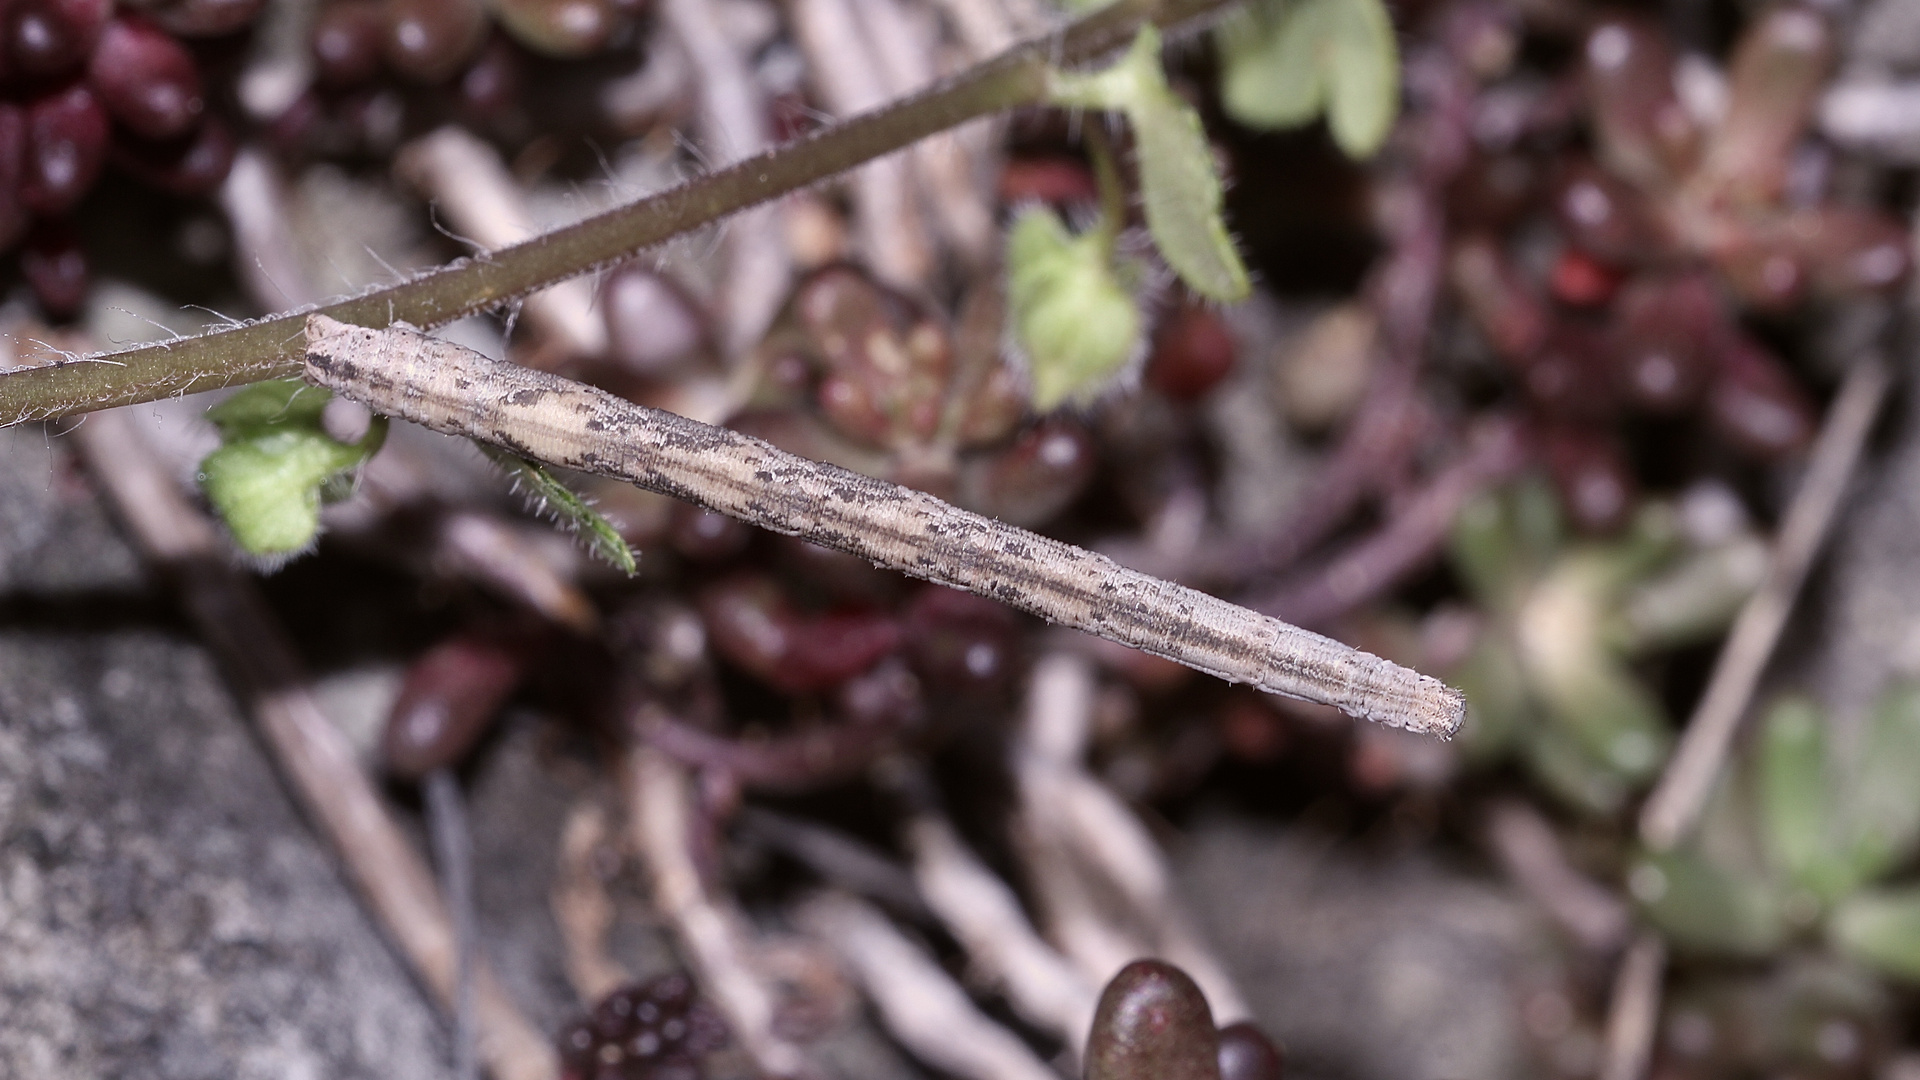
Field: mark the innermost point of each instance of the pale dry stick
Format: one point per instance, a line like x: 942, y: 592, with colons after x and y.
x: 540, y: 416
x: 892, y: 238
x: 228, y: 609
x: 984, y: 25
x: 946, y: 164
x: 1633, y: 1014
x: 1087, y: 930
x: 465, y: 180
x: 713, y: 937
x: 265, y: 250
x: 1527, y: 849
x: 1105, y: 838
x: 918, y: 1001
x: 984, y: 915
x: 1675, y: 805
x: 452, y: 843
x: 581, y: 907
x: 734, y: 124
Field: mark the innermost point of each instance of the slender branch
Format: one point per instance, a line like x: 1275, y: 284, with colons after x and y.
x: 1681, y: 795
x: 1633, y: 1014
x: 458, y: 391
x: 272, y: 348
x: 918, y: 1001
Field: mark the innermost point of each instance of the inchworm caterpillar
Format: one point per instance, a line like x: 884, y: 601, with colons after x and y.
x: 455, y: 390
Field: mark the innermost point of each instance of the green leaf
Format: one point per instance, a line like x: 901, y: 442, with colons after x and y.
x: 1270, y: 70
x: 1796, y: 798
x: 1498, y: 706
x: 1069, y: 311
x: 1284, y: 61
x: 1179, y: 189
x: 1881, y: 807
x: 1707, y: 908
x: 1363, y: 77
x: 549, y: 497
x: 266, y: 480
x: 1880, y: 929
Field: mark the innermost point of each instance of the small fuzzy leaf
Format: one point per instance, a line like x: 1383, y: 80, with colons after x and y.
x: 1880, y: 929
x: 1069, y: 311
x: 1704, y: 907
x: 267, y: 479
x: 1881, y: 815
x: 1796, y: 798
x: 1363, y: 76
x: 1179, y: 189
x: 276, y: 403
x: 1284, y: 61
x: 565, y: 506
x: 267, y: 487
x: 1270, y: 74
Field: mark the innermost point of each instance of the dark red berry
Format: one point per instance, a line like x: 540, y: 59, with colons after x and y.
x: 13, y: 163
x: 1152, y: 1023
x: 752, y: 624
x: 48, y: 37
x: 1604, y: 216
x: 1247, y: 1054
x: 429, y: 40
x: 704, y: 536
x: 347, y: 39
x: 1590, y: 469
x: 55, y: 266
x: 961, y: 643
x: 1581, y: 280
x: 192, y: 166
x: 66, y: 146
x: 1571, y: 374
x: 1667, y: 330
x: 146, y: 80
x: 205, y: 18
x: 1755, y: 403
x: 449, y: 698
x: 1049, y: 180
x: 1192, y: 351
x: 646, y: 1031
x: 1035, y: 477
x: 491, y: 84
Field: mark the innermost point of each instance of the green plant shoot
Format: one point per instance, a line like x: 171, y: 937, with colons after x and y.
x: 276, y: 462
x: 1069, y: 310
x: 566, y: 507
x: 1179, y: 189
x: 1284, y: 62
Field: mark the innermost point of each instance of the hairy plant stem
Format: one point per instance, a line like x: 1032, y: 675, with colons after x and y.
x: 272, y: 348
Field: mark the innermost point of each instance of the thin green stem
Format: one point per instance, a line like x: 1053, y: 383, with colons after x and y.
x: 272, y: 347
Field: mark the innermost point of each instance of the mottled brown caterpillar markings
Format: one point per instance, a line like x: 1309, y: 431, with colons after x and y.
x: 455, y: 390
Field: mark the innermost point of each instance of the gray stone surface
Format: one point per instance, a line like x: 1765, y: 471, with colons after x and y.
x: 1378, y: 967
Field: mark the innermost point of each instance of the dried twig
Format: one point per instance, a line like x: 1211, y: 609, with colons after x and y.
x: 892, y: 237
x: 1075, y: 814
x: 946, y: 164
x: 919, y: 1002
x: 712, y: 935
x: 1524, y: 843
x: 266, y: 254
x: 1675, y: 805
x: 734, y: 123
x: 467, y: 181
x: 312, y: 753
x: 985, y: 916
x: 452, y: 389
x: 1411, y: 538
x: 581, y: 907
x: 1634, y: 1013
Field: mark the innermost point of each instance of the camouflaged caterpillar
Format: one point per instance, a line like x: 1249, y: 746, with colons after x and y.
x: 455, y: 390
